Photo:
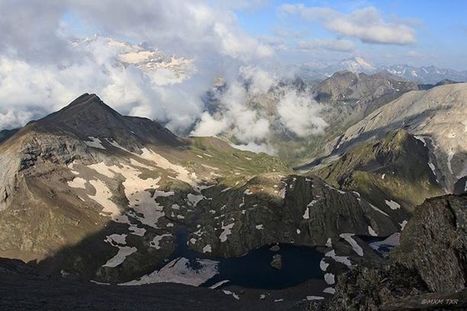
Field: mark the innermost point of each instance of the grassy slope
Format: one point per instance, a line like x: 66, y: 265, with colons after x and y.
x: 396, y: 166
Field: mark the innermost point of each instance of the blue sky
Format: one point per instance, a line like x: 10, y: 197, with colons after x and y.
x: 440, y: 29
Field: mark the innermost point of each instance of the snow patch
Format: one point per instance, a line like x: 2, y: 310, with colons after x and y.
x: 155, y: 243
x: 218, y: 284
x: 228, y: 292
x: 94, y: 142
x: 194, y: 199
x: 306, y: 215
x: 78, y: 183
x: 342, y: 259
x: 371, y: 231
x: 392, y: 204
x: 378, y: 210
x: 323, y: 265
x: 348, y: 237
x: 329, y: 278
x: 123, y: 253
x: 102, y: 197
x: 227, y: 230
x: 181, y: 271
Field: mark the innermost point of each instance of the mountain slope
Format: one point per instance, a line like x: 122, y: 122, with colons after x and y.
x: 391, y: 172
x: 437, y: 117
x: 92, y: 194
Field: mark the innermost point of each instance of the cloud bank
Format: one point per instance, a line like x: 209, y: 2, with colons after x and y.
x: 365, y: 24
x: 155, y: 59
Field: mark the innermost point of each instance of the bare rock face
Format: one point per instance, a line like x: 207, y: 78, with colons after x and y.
x: 434, y: 243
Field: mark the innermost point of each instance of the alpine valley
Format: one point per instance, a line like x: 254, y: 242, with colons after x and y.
x: 132, y: 216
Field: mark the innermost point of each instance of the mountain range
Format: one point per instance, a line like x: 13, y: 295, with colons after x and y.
x: 423, y: 75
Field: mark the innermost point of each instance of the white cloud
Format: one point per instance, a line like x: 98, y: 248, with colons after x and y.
x: 257, y: 148
x: 44, y: 68
x: 366, y: 24
x: 338, y: 45
x: 300, y: 114
x: 254, y: 126
x: 208, y: 126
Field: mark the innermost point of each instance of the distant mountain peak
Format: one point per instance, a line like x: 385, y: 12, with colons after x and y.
x: 357, y: 64
x: 88, y: 116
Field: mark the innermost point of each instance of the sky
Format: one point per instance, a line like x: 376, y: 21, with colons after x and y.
x: 158, y: 58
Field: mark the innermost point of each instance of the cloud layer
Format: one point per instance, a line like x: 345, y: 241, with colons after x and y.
x: 45, y: 63
x: 365, y: 24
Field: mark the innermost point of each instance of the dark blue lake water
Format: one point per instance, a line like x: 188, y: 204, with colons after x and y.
x: 253, y: 270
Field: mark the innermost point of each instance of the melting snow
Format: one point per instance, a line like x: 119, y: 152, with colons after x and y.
x: 118, y: 259
x: 228, y: 292
x: 371, y: 231
x: 116, y: 145
x: 102, y: 169
x: 207, y: 249
x: 102, y: 197
x: 392, y: 204
x: 450, y: 156
x: 219, y: 284
x: 306, y: 215
x: 157, y: 239
x: 348, y: 237
x: 329, y: 290
x: 323, y: 265
x: 78, y: 182
x: 94, y: 142
x: 311, y: 298
x: 182, y: 173
x: 377, y: 209
x: 194, y: 199
x: 227, y: 231
x: 259, y: 227
x: 329, y: 278
x: 180, y: 271
x: 135, y: 230
x: 116, y: 240
x: 402, y: 224
x: 342, y: 259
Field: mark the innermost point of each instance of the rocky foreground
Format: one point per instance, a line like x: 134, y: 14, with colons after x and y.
x: 427, y: 271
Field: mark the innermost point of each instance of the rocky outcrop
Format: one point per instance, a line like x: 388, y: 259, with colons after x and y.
x: 434, y: 243
x: 428, y: 269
